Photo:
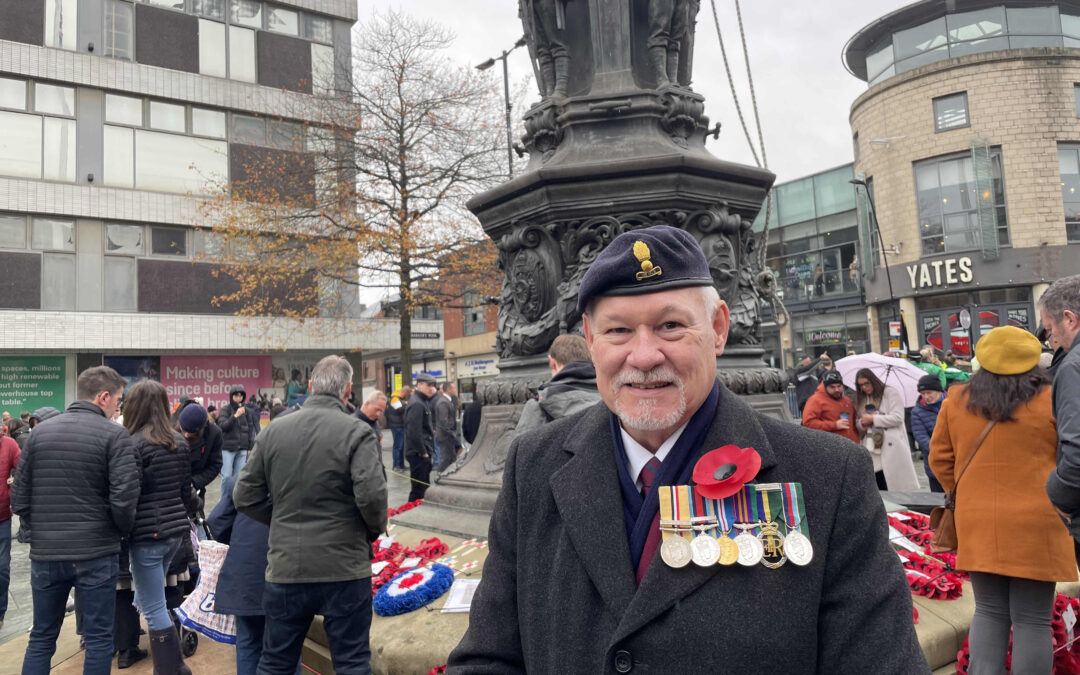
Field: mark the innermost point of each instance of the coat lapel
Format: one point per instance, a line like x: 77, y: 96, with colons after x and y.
x: 587, y: 493
x: 661, y: 587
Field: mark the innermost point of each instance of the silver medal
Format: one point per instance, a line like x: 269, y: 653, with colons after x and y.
x: 676, y: 551
x: 750, y: 549
x: 706, y: 550
x: 798, y: 548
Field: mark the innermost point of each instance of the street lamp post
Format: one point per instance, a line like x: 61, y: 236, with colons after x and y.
x: 506, y: 91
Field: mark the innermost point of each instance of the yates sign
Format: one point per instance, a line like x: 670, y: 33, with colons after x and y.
x: 947, y: 272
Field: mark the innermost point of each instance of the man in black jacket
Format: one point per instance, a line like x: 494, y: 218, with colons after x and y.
x: 204, y: 443
x: 420, y: 435
x: 78, y: 486
x: 238, y: 424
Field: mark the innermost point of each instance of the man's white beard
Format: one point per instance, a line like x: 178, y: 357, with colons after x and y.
x: 645, y: 418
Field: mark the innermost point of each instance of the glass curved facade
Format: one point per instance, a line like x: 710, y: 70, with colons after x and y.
x: 962, y: 33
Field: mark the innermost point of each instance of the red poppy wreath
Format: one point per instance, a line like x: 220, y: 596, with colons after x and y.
x: 722, y: 472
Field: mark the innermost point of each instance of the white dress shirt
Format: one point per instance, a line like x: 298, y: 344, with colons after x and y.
x: 637, y: 456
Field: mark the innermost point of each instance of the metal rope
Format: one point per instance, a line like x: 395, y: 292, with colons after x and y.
x: 767, y: 287
x: 731, y: 83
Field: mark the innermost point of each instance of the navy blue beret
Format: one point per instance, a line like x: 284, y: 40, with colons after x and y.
x: 648, y: 260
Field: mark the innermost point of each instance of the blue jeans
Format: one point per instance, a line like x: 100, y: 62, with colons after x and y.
x: 5, y: 565
x: 399, y: 447
x: 149, y: 565
x: 232, y: 461
x: 346, y: 610
x: 249, y: 637
x: 51, y: 582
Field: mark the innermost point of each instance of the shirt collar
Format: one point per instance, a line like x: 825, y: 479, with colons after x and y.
x: 637, y: 456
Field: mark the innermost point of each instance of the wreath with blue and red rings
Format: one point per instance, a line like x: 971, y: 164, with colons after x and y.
x: 412, y: 589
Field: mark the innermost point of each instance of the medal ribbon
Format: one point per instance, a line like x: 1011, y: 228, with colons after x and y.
x: 793, y: 514
x: 695, y: 508
x: 746, y: 507
x: 774, y: 504
x: 725, y: 513
x: 763, y: 505
x: 665, y: 507
x: 682, y: 507
x: 803, y: 526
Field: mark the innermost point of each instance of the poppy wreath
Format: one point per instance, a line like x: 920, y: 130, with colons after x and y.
x: 412, y: 589
x: 1066, y: 655
x: 929, y: 578
x: 427, y: 550
x: 407, y: 506
x: 915, y: 615
x: 722, y: 472
x: 437, y: 670
x: 911, y: 532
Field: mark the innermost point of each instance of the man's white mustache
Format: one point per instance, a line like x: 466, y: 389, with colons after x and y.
x: 634, y: 376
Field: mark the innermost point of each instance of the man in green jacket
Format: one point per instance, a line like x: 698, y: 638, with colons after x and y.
x: 315, y: 478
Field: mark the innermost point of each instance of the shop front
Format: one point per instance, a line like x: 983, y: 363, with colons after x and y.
x: 837, y: 333
x: 951, y: 301
x: 955, y: 321
x: 472, y: 370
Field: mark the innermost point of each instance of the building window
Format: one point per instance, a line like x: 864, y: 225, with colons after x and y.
x: 208, y: 123
x: 12, y: 93
x: 167, y: 117
x: 53, y: 235
x: 168, y: 241
x: 120, y: 284
x: 33, y: 146
x: 282, y: 20
x: 951, y: 112
x: 1069, y: 165
x: 124, y: 239
x: 12, y: 232
x: 319, y: 29
x: 855, y: 146
x: 61, y: 22
x: 948, y: 200
x: 245, y: 13
x: 322, y: 69
x: 474, y: 314
x: 241, y: 54
x: 212, y: 59
x: 123, y: 110
x: 119, y: 29
x: 58, y: 281
x: 1076, y: 98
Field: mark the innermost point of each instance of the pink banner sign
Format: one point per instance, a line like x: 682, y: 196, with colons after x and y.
x: 211, y: 377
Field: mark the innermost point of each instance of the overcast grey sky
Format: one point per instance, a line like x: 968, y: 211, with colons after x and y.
x: 804, y: 93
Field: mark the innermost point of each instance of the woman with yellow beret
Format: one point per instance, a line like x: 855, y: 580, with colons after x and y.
x: 1009, y: 537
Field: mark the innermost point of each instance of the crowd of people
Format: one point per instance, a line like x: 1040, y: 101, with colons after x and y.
x: 109, y: 494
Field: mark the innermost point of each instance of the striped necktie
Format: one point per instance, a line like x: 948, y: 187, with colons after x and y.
x: 648, y: 476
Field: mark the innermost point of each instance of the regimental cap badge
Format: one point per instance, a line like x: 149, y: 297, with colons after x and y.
x: 642, y: 253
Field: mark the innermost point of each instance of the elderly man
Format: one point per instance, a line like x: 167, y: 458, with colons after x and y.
x: 1059, y: 309
x: 573, y: 582
x: 315, y: 478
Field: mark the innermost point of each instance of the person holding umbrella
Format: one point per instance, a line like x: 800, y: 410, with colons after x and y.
x: 879, y: 412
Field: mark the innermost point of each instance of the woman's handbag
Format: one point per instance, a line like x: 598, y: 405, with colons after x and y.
x: 941, y: 518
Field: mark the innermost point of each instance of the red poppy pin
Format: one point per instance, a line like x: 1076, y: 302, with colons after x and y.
x: 722, y: 472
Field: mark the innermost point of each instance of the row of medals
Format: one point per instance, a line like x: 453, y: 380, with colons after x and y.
x: 770, y: 548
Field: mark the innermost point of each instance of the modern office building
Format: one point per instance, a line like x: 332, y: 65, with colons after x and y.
x: 812, y: 251
x: 968, y: 140
x: 119, y: 119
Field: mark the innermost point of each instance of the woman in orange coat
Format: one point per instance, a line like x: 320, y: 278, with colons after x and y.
x: 1009, y: 537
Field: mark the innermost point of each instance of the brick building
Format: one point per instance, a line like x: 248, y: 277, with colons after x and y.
x: 968, y: 140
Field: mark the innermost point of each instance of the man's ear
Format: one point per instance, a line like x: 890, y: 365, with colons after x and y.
x: 721, y: 323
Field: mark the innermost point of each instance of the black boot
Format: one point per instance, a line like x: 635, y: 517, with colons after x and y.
x: 165, y: 648
x: 126, y: 658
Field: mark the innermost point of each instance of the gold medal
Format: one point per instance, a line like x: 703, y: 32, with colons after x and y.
x: 729, y: 550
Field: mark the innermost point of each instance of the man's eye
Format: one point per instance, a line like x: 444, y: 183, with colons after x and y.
x: 671, y: 325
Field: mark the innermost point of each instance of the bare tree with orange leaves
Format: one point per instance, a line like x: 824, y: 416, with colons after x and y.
x: 372, y: 192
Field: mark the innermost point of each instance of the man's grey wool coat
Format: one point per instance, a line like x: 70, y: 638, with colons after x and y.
x: 558, y: 595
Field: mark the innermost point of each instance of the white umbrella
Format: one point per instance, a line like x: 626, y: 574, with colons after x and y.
x: 896, y: 373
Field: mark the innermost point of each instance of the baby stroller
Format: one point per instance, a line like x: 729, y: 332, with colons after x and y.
x: 182, y: 579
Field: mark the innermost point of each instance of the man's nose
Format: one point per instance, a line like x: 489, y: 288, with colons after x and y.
x: 645, y: 351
